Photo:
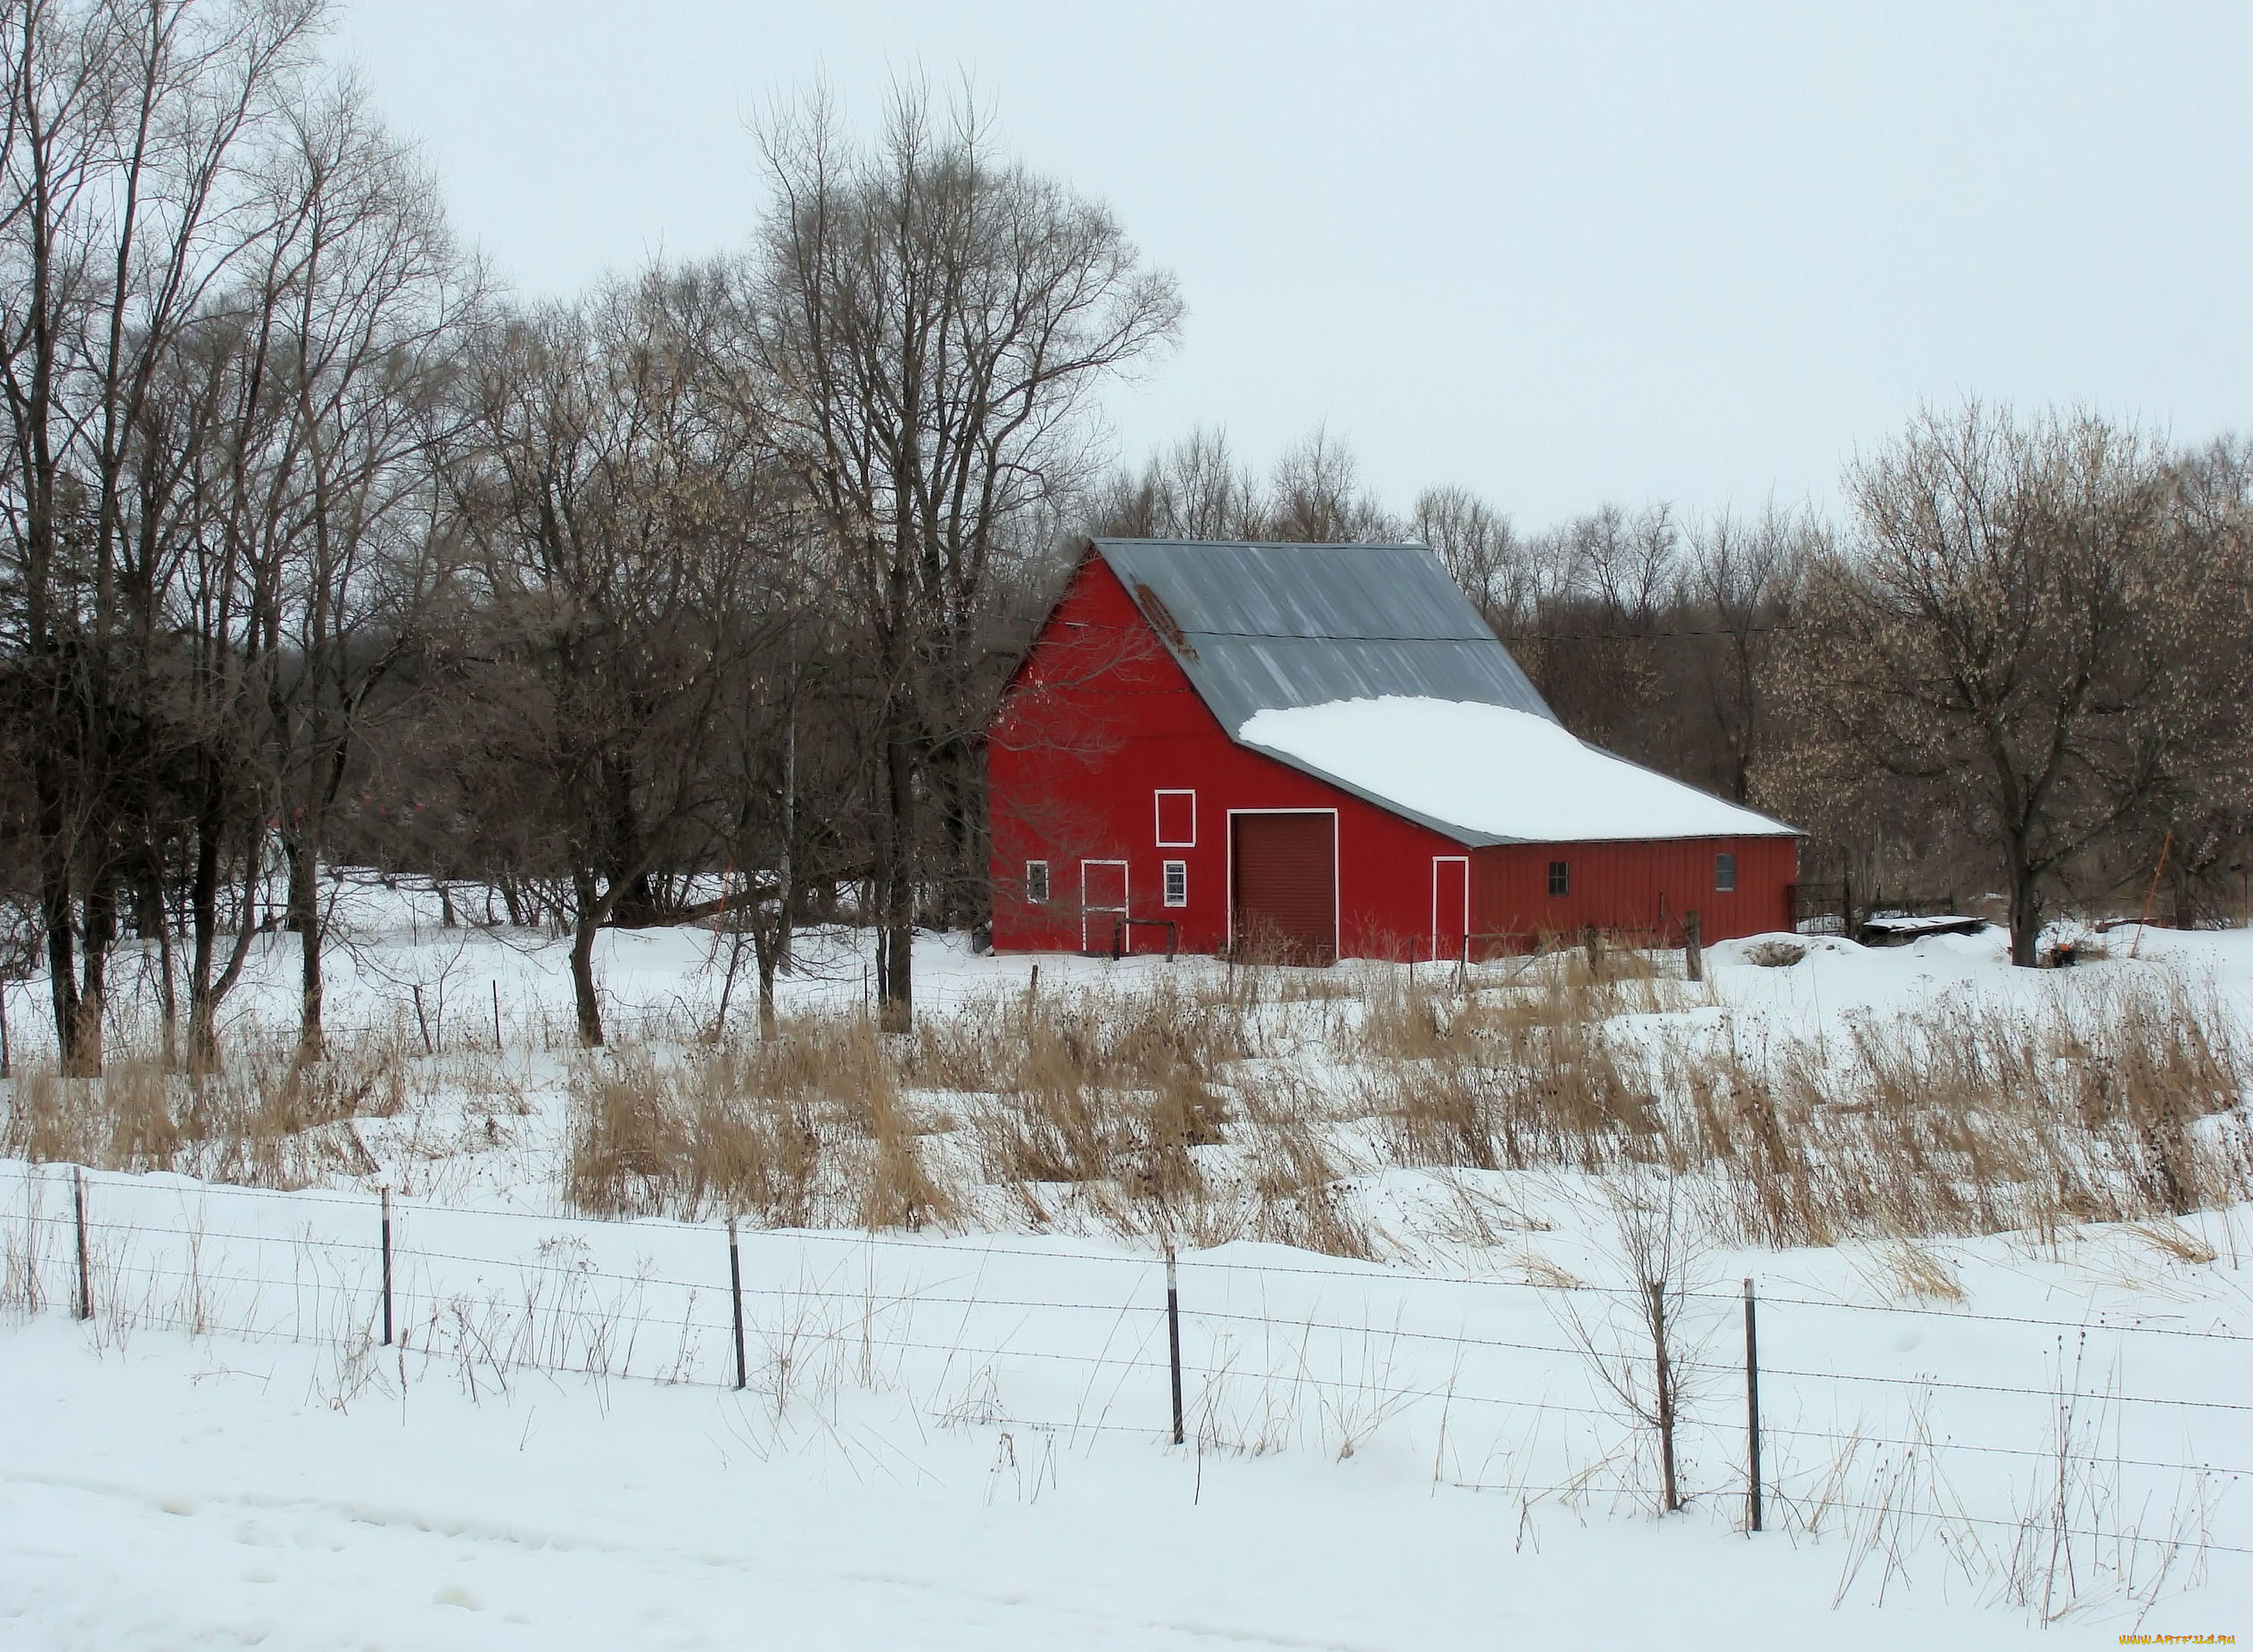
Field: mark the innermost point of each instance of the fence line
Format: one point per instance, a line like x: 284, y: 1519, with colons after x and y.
x: 1346, y: 1271
x: 877, y: 1310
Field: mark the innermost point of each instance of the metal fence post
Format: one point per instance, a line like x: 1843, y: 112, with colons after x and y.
x: 86, y: 1278
x: 735, y: 1291
x: 1173, y: 1336
x: 1752, y: 1414
x: 387, y: 1266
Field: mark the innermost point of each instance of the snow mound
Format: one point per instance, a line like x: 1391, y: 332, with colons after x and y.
x: 1493, y: 772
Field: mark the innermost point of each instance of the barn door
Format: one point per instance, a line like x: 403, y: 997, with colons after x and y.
x: 1282, y: 897
x: 1450, y: 905
x: 1103, y: 901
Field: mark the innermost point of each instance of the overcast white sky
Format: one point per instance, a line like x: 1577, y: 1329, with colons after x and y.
x: 1558, y: 254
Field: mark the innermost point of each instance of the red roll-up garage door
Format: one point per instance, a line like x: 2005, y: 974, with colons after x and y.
x: 1284, y: 902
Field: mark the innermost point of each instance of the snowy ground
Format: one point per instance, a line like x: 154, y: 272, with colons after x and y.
x: 962, y: 1440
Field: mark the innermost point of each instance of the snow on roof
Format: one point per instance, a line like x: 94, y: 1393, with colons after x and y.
x: 1487, y: 773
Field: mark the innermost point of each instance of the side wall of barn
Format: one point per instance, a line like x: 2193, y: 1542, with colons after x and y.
x: 1099, y: 721
x: 1639, y: 888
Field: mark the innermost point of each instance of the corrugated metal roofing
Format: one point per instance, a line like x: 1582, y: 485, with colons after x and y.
x: 1274, y: 627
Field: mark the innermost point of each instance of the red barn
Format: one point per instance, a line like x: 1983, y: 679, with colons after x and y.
x: 1322, y: 749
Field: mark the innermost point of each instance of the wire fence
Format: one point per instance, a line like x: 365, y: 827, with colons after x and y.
x: 2094, y: 1430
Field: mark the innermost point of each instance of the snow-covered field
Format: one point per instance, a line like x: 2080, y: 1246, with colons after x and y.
x: 961, y: 1436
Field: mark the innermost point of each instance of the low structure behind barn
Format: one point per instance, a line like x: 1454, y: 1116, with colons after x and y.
x: 1316, y: 751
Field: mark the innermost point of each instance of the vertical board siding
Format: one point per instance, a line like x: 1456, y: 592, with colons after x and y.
x: 1640, y: 888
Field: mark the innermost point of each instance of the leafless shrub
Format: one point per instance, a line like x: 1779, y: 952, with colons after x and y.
x: 2080, y: 1544
x: 1640, y: 1348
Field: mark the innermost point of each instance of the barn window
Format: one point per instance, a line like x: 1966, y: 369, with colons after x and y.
x: 1724, y: 872
x: 1037, y: 882
x: 1177, y: 820
x: 1177, y: 883
x: 1560, y: 877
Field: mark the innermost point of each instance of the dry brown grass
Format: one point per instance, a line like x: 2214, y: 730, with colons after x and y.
x: 1953, y: 1120
x: 1984, y: 1120
x: 787, y: 1132
x: 264, y: 1120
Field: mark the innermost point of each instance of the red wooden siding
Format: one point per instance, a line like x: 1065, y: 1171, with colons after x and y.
x: 1100, y: 724
x: 1636, y: 887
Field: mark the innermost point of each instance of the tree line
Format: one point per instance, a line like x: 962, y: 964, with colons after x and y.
x: 321, y: 549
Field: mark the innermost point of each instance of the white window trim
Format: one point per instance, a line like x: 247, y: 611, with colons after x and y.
x: 1158, y: 821
x: 1173, y: 869
x: 1048, y: 887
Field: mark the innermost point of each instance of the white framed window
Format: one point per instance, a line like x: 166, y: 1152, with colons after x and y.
x: 1037, y: 882
x: 1724, y: 872
x: 1177, y: 883
x: 1177, y: 820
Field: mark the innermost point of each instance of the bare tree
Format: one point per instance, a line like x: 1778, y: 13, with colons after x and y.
x: 364, y: 322
x: 1991, y: 638
x: 623, y: 535
x: 1193, y: 490
x: 1316, y: 497
x: 933, y: 322
x: 132, y: 136
x: 1744, y: 581
x: 1482, y: 552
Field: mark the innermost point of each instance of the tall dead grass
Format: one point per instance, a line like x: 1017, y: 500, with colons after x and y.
x: 810, y: 1127
x: 1955, y: 1120
x: 264, y: 1120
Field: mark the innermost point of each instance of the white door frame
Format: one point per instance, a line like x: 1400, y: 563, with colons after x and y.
x: 1086, y: 911
x: 1439, y: 861
x: 1337, y: 855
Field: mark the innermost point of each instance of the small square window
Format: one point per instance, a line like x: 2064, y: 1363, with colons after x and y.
x: 1037, y: 882
x: 1560, y: 877
x: 1724, y: 872
x: 1177, y: 883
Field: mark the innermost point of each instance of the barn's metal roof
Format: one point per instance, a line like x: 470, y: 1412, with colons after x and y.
x: 1274, y: 627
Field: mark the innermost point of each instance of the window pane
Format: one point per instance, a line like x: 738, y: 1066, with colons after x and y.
x: 1724, y: 872
x: 1560, y: 877
x: 1177, y: 883
x: 1037, y: 882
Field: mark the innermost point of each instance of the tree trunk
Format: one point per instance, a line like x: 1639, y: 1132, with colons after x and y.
x: 2025, y: 903
x: 767, y: 1022
x: 99, y: 909
x: 55, y: 915
x: 586, y: 926
x: 203, y: 925
x: 304, y: 916
x: 895, y: 879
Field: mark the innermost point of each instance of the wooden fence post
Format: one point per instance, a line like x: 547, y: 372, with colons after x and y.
x: 1693, y: 948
